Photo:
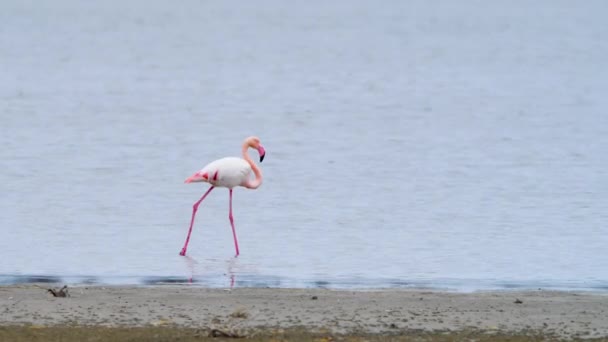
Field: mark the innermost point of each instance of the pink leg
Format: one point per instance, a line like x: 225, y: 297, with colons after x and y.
x: 236, y: 244
x: 194, y: 209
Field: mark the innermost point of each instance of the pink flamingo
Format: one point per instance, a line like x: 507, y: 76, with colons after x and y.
x: 228, y: 173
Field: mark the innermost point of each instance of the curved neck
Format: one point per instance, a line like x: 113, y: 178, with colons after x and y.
x: 255, y: 183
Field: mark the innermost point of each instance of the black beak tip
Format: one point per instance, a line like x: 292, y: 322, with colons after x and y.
x: 262, y: 157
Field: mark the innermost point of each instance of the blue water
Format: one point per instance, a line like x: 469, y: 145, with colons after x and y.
x: 409, y: 143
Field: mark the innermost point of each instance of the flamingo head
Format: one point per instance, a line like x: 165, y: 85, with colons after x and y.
x: 254, y: 142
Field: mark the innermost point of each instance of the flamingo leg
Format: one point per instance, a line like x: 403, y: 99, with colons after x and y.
x: 236, y: 244
x: 194, y: 209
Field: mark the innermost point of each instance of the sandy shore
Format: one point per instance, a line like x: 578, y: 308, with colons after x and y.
x: 565, y: 314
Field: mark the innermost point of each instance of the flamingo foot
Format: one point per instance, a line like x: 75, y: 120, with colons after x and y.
x: 183, y: 252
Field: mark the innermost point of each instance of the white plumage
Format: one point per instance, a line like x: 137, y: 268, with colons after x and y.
x: 231, y: 172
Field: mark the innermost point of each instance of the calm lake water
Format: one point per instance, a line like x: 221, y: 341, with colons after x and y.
x: 451, y: 144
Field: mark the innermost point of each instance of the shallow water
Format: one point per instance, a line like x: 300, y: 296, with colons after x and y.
x: 415, y: 143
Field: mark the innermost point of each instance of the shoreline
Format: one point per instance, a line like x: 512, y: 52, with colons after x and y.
x: 224, y: 280
x: 564, y: 314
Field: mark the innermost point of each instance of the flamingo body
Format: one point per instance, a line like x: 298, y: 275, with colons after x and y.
x: 228, y: 173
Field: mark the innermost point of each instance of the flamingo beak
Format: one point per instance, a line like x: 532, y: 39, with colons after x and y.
x: 262, y: 152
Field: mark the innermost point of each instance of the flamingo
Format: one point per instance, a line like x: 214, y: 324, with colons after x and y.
x: 228, y: 172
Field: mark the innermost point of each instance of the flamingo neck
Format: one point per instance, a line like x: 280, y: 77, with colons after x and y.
x: 257, y: 181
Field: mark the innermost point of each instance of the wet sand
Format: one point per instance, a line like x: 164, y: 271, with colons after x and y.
x: 245, y: 310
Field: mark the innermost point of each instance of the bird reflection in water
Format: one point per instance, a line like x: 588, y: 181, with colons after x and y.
x: 193, y: 265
